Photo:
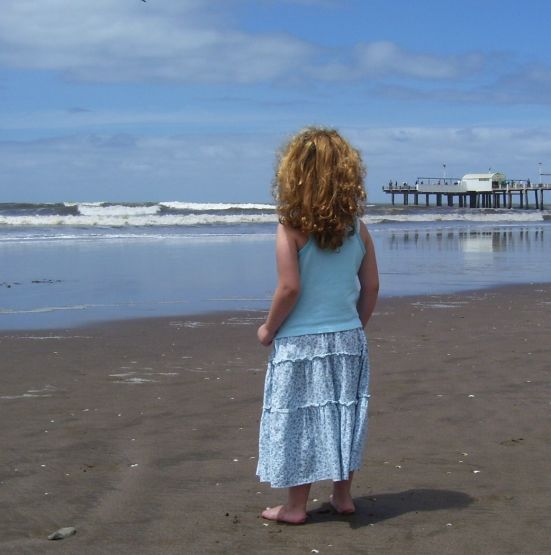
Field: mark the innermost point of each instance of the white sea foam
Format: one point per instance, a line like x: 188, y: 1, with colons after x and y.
x: 46, y: 309
x: 23, y: 396
x: 45, y: 337
x: 135, y: 380
x: 70, y: 204
x: 41, y: 309
x: 113, y: 220
x: 202, y: 237
x: 119, y: 210
x: 46, y: 391
x: 177, y: 205
x: 153, y: 219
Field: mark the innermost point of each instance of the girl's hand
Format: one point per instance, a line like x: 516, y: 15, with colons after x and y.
x: 264, y: 335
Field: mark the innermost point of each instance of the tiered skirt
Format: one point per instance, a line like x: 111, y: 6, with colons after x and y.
x: 314, y: 417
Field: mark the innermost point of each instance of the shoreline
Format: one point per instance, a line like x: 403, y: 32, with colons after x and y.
x: 217, y: 313
x: 54, y: 285
x: 143, y: 434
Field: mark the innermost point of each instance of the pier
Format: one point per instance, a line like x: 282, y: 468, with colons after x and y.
x: 447, y: 192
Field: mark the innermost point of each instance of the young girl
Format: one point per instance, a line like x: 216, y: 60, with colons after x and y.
x: 314, y: 418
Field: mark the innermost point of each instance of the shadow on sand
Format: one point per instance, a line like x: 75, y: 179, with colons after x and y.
x: 378, y: 507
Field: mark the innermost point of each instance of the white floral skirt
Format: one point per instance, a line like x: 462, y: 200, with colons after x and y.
x: 314, y: 416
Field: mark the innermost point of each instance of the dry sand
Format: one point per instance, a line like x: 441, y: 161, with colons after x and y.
x: 143, y: 435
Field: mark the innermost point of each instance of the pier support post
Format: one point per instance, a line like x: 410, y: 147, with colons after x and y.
x: 497, y: 198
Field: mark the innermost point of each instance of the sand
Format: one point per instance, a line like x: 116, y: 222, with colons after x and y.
x: 143, y: 435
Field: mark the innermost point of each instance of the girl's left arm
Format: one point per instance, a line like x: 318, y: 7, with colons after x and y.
x: 288, y: 285
x: 369, y: 278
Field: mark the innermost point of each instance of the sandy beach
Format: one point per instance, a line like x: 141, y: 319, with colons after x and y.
x: 142, y: 434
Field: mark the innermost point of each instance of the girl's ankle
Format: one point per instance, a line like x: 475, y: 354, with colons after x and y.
x: 295, y: 508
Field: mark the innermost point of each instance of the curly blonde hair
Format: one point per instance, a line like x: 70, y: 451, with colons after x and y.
x: 319, y: 185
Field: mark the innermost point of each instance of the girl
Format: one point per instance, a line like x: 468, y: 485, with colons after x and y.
x: 314, y: 417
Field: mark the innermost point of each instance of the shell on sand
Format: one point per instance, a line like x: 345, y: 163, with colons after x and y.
x: 62, y: 533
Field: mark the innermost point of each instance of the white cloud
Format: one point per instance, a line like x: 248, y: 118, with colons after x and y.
x: 404, y: 153
x: 110, y: 40
x: 128, y: 167
x: 387, y: 58
x: 79, y: 119
x: 530, y: 84
x: 239, y: 167
x: 199, y: 42
x: 190, y: 41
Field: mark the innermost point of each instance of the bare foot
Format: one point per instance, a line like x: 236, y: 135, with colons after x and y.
x: 282, y: 514
x: 343, y: 507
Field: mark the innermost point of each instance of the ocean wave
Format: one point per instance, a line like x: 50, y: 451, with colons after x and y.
x: 207, y: 206
x: 140, y: 220
x: 158, y: 215
x: 136, y: 236
x: 41, y: 309
x: 121, y: 210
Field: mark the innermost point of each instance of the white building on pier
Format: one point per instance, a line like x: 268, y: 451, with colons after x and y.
x: 483, y: 182
x: 470, y: 182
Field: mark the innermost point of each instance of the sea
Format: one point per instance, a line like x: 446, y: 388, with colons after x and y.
x: 73, y: 263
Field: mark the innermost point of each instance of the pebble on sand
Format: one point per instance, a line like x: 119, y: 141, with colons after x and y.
x: 62, y: 533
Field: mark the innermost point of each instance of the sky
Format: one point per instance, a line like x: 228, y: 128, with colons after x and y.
x: 126, y: 100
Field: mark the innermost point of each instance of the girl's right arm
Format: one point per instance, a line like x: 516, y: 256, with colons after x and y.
x: 369, y: 278
x: 288, y: 285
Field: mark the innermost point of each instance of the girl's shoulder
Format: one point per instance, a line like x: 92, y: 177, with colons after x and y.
x: 364, y: 233
x: 296, y: 236
x: 366, y: 237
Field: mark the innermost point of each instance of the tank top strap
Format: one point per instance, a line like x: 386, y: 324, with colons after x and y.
x: 358, y: 234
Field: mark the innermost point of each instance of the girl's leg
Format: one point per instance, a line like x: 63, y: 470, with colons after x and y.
x: 294, y: 511
x: 341, y: 498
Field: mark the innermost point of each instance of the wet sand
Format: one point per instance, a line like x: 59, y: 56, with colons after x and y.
x: 142, y: 434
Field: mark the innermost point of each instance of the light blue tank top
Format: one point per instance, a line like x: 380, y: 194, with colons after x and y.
x: 329, y: 288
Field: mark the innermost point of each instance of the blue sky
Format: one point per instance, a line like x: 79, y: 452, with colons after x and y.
x: 189, y: 99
